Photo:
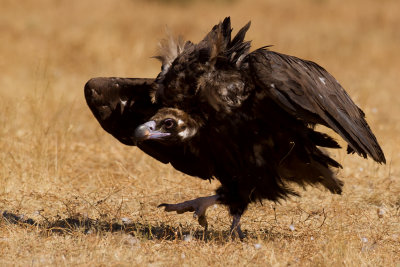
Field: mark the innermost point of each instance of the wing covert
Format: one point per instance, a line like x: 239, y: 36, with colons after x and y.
x: 308, y: 92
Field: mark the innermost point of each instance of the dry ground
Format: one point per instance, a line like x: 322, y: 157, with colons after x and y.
x: 84, y: 199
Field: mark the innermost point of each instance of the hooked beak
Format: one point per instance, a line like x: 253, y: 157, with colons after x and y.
x: 147, y: 131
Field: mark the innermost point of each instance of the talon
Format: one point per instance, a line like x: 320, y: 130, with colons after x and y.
x: 198, y: 205
x: 167, y: 207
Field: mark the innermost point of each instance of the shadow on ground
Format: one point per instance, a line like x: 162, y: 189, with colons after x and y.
x: 138, y: 229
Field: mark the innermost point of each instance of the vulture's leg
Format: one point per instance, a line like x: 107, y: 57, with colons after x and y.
x: 198, y: 205
x: 235, y: 227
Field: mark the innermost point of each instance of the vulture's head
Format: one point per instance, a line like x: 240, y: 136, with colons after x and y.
x: 169, y: 125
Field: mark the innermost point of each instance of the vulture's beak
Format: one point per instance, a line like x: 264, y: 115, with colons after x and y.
x: 147, y: 131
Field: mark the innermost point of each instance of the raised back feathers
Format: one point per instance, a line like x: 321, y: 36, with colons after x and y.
x: 217, y: 45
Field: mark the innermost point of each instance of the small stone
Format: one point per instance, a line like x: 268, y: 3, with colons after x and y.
x: 312, y: 238
x: 126, y: 220
x: 364, y: 239
x: 257, y: 246
x: 131, y: 240
x: 291, y: 227
x: 381, y: 212
x: 187, y: 238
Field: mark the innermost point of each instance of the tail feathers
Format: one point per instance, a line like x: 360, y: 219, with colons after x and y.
x: 322, y: 139
x: 329, y: 180
x: 315, y: 171
x: 312, y: 174
x: 320, y: 164
x: 325, y: 160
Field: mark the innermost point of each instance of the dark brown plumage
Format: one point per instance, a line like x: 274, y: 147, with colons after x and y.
x: 247, y: 119
x: 121, y: 105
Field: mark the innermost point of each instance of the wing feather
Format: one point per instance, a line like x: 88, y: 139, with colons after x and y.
x: 309, y: 92
x: 122, y: 104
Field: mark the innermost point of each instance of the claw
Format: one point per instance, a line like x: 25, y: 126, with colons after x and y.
x: 198, y: 205
x: 179, y: 208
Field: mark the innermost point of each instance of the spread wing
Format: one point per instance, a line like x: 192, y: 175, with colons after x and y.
x: 120, y: 105
x: 310, y: 93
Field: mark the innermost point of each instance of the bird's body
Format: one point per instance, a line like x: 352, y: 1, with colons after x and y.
x: 246, y: 119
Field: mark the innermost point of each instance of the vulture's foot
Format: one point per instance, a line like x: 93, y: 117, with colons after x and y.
x: 235, y: 227
x: 198, y: 205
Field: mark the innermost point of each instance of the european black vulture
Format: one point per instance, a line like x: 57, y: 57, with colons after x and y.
x: 217, y: 110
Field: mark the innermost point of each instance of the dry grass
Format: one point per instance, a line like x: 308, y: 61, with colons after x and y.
x: 93, y: 200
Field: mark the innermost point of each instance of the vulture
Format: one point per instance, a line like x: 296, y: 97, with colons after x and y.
x: 218, y: 111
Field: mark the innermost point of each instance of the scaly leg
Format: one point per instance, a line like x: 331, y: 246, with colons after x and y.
x: 235, y: 227
x: 198, y: 205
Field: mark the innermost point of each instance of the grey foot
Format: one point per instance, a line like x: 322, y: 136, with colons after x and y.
x: 198, y: 205
x: 235, y: 227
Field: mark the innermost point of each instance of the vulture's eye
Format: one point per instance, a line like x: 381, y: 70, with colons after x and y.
x: 169, y: 123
